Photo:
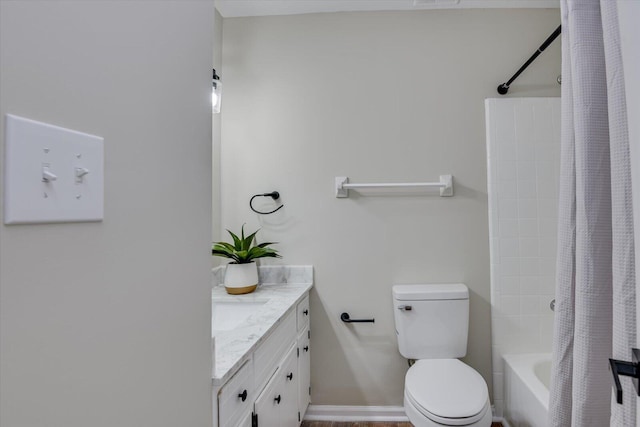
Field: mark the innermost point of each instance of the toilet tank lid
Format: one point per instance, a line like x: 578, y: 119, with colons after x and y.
x: 424, y: 292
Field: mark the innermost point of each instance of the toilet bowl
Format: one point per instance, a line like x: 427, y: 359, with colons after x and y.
x: 446, y: 392
x: 432, y: 326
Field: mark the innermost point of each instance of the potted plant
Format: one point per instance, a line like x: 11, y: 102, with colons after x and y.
x: 241, y: 276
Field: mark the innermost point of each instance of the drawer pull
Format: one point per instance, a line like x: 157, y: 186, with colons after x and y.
x: 305, y: 348
x: 306, y: 312
x: 243, y: 395
x: 290, y: 376
x: 277, y: 399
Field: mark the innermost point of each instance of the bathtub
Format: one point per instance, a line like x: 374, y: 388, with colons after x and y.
x: 526, y: 389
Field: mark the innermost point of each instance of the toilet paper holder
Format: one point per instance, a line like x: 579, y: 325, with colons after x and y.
x: 347, y: 319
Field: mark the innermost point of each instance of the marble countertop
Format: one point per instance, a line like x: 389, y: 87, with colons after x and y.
x: 282, y: 287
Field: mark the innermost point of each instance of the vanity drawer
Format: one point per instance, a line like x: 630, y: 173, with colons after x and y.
x: 303, y: 313
x: 270, y: 352
x: 236, y: 397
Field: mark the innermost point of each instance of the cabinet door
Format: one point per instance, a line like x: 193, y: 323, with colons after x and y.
x: 236, y: 396
x: 277, y: 405
x: 267, y: 405
x: 289, y: 377
x: 304, y: 372
x: 246, y: 421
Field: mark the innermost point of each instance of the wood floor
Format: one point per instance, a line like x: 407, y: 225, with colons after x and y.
x: 362, y: 424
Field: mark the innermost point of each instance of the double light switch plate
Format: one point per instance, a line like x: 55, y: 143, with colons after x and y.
x: 51, y: 174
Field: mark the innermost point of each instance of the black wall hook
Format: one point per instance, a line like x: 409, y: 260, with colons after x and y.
x: 274, y: 195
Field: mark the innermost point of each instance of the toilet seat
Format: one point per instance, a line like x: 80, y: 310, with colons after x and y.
x: 447, y: 391
x: 477, y: 420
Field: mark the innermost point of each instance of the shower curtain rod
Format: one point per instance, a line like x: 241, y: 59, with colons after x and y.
x: 504, y: 87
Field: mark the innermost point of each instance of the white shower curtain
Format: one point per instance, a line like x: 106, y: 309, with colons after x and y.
x: 595, y: 289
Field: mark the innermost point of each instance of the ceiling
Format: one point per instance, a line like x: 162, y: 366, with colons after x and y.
x: 236, y: 8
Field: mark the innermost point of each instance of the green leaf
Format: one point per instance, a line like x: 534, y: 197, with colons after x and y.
x: 257, y: 252
x: 236, y: 241
x: 248, y: 241
x: 265, y: 244
x: 225, y: 245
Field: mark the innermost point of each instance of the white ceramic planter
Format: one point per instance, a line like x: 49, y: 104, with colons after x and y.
x: 241, y: 278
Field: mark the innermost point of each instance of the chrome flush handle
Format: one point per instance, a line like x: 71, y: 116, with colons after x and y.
x: 405, y: 308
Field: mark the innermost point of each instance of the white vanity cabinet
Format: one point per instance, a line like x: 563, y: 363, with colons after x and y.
x: 304, y: 355
x: 304, y: 371
x: 277, y: 405
x: 272, y: 387
x: 302, y: 311
x: 247, y: 420
x: 267, y: 357
x: 236, y: 397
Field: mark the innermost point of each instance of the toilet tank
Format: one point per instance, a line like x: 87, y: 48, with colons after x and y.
x: 432, y: 321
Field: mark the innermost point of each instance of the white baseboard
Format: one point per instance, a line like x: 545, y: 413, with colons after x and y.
x: 363, y: 413
x: 355, y: 413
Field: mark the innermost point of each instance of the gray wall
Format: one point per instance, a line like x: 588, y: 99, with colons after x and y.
x: 108, y: 324
x: 388, y: 96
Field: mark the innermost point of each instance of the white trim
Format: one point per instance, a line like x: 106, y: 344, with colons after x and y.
x: 364, y: 413
x: 355, y: 413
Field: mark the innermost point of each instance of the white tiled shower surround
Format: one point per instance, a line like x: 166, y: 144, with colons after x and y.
x: 523, y: 156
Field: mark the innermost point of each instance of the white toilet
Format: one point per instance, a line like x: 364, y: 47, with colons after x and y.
x: 432, y: 325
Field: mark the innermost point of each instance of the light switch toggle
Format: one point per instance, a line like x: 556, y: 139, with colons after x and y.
x: 47, y: 175
x: 80, y: 173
